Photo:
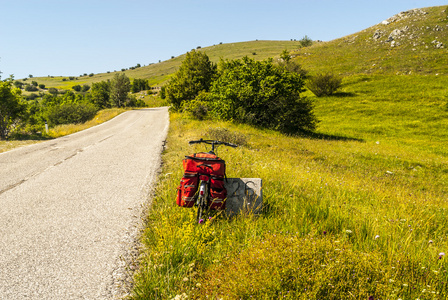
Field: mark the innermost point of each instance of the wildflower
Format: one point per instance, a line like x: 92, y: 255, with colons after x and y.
x: 348, y: 231
x: 376, y: 236
x: 201, y: 221
x: 430, y: 241
x: 325, y: 232
x: 441, y: 255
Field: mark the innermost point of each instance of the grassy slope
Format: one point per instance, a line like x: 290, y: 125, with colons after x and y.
x: 158, y: 73
x: 357, y: 211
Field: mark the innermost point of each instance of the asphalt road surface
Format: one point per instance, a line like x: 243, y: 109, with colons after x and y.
x: 68, y: 207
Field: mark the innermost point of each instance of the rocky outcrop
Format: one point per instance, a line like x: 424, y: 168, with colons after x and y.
x: 409, y: 34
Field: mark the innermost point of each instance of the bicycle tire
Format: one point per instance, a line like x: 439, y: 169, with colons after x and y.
x: 201, y: 209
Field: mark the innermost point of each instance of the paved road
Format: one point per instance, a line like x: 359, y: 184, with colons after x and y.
x: 68, y: 206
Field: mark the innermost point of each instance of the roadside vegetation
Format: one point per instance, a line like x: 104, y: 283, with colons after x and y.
x: 65, y: 111
x: 355, y: 209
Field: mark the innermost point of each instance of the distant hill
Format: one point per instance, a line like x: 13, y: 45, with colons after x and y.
x: 159, y: 73
x: 411, y: 42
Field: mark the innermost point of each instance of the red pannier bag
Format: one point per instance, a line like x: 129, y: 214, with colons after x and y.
x: 218, y: 193
x: 187, y: 189
x: 205, y: 163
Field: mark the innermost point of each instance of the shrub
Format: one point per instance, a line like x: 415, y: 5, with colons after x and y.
x: 324, y: 84
x: 34, y: 83
x: 226, y: 135
x: 42, y: 86
x: 262, y: 94
x: 76, y: 88
x: 18, y: 84
x: 85, y: 88
x: 71, y: 113
x: 31, y: 88
x: 53, y: 91
x: 306, y: 41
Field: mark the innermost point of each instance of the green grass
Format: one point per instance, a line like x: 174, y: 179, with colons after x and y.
x: 341, y: 217
x: 356, y: 210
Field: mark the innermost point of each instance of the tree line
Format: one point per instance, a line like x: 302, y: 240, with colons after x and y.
x: 20, y: 115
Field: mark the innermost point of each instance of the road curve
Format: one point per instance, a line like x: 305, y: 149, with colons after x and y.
x: 67, y: 207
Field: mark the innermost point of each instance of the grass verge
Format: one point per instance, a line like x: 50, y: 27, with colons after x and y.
x: 357, y: 210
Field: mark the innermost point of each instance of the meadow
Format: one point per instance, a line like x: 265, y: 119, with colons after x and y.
x: 356, y: 210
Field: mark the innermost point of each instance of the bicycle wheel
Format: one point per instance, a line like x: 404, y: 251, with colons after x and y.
x: 201, y: 209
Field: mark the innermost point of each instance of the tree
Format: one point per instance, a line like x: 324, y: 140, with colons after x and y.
x: 195, y: 74
x: 261, y: 94
x: 11, y: 108
x: 120, y: 86
x: 100, y: 94
x: 139, y: 85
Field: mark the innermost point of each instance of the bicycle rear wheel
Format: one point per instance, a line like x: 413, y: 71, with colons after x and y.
x: 201, y: 209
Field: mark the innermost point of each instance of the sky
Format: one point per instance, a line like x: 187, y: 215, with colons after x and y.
x: 70, y: 38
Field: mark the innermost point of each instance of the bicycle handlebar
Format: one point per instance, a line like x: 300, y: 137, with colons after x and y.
x: 212, y: 142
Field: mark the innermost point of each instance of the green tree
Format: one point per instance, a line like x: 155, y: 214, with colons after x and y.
x: 11, y: 108
x: 120, y: 86
x: 139, y: 85
x: 100, y: 94
x: 195, y: 74
x: 261, y: 94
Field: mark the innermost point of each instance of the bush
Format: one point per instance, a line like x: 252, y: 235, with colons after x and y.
x: 306, y: 41
x: 42, y: 86
x: 262, y: 94
x: 53, y: 91
x: 76, y: 88
x: 31, y: 88
x: 85, y: 88
x: 71, y: 113
x: 324, y: 84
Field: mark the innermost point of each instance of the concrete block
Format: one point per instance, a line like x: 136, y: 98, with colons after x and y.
x: 244, y: 195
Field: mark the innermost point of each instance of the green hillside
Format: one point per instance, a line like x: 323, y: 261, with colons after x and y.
x: 410, y: 42
x: 158, y: 73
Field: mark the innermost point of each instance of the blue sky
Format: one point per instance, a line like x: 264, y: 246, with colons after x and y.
x: 70, y: 38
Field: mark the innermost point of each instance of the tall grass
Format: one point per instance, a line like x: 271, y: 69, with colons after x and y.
x: 349, y: 213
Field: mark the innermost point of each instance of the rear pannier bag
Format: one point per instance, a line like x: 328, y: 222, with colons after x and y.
x: 187, y: 189
x: 205, y: 163
x: 218, y: 193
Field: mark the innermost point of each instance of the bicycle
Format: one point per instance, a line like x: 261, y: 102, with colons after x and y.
x: 204, y: 198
